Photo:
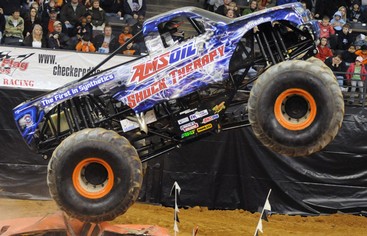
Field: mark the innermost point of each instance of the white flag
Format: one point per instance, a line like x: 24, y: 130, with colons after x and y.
x: 176, y: 189
x: 260, y: 226
x: 267, y: 206
x: 263, y: 215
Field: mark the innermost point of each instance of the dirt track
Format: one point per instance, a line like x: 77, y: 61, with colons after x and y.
x: 223, y: 223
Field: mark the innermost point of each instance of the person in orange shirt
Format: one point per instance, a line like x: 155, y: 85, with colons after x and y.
x: 362, y: 52
x: 85, y: 45
x: 123, y: 37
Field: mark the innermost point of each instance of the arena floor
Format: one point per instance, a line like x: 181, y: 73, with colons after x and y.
x: 221, y: 223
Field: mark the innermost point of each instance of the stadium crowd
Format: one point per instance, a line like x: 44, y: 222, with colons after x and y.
x: 82, y: 25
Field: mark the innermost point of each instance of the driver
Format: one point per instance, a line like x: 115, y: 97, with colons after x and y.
x: 176, y: 34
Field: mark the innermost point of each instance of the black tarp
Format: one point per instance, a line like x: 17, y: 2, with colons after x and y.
x: 225, y: 171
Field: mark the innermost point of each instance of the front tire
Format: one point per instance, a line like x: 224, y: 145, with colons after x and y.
x: 296, y: 108
x: 95, y: 175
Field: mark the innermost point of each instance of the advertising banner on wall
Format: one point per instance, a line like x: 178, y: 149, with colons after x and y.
x: 42, y: 69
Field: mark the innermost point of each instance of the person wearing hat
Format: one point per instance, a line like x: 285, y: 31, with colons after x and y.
x: 48, y: 22
x: 356, y: 75
x: 362, y: 53
x: 57, y: 39
x: 337, y: 22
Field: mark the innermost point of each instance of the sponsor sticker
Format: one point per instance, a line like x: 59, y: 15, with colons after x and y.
x: 189, y: 126
x: 210, y: 118
x: 204, y: 128
x: 199, y: 114
x: 188, y: 134
x: 183, y: 120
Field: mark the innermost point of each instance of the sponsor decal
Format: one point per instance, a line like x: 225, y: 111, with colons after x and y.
x: 189, y: 126
x: 187, y: 111
x: 134, y: 99
x: 183, y: 120
x: 145, y: 70
x: 10, y: 63
x: 188, y: 134
x: 196, y: 64
x: 253, y: 23
x: 84, y: 87
x: 210, y: 118
x: 204, y: 127
x: 199, y: 114
x: 148, y: 69
x: 218, y: 108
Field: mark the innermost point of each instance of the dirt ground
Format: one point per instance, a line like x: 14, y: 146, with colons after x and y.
x: 209, y: 222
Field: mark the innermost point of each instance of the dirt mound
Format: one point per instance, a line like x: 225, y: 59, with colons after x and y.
x: 209, y: 222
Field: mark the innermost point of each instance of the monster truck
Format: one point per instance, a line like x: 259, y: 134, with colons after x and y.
x: 202, y: 74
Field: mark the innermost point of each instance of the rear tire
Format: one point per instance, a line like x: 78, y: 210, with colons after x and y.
x: 95, y: 175
x: 296, y: 108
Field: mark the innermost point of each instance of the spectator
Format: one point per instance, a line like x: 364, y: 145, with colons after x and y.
x: 114, y: 8
x: 344, y: 38
x: 106, y: 42
x: 337, y: 22
x: 263, y: 4
x: 230, y: 13
x: 343, y: 12
x: 86, y: 3
x: 337, y: 65
x: 251, y: 9
x: 98, y: 16
x: 84, y: 28
x: 309, y: 4
x: 349, y: 55
x: 31, y: 20
x: 48, y: 24
x: 51, y: 5
x: 223, y: 8
x: 36, y: 6
x: 356, y: 75
x: 139, y: 43
x: 323, y: 50
x: 71, y: 13
x: 133, y: 9
x: 209, y: 5
x: 59, y: 40
x: 14, y: 28
x: 36, y: 38
x: 123, y: 37
x: 326, y: 29
x: 363, y: 53
x: 85, y: 45
x: 327, y: 7
x: 356, y: 14
x: 360, y: 40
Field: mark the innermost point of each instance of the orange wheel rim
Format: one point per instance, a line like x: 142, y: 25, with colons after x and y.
x: 93, y: 178
x: 295, y: 109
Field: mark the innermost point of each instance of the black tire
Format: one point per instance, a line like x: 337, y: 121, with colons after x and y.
x: 296, y: 108
x: 95, y: 175
x: 320, y: 63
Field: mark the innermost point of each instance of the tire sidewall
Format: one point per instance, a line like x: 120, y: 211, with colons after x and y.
x: 72, y: 157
